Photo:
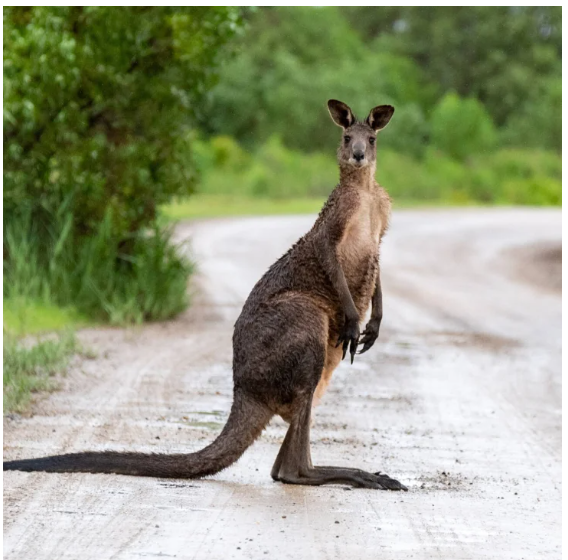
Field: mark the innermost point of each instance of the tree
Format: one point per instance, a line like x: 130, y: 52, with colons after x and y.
x: 291, y: 61
x: 462, y: 127
x: 99, y: 104
x: 496, y: 54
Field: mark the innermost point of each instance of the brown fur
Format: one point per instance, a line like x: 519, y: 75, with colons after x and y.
x: 297, y: 324
x: 357, y: 248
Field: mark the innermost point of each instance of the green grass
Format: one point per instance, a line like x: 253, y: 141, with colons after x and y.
x: 29, y: 369
x: 25, y: 317
x: 219, y: 206
x: 105, y: 277
x: 32, y: 362
x: 213, y: 206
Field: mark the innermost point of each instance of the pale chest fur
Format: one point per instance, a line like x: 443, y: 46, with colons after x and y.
x: 362, y: 233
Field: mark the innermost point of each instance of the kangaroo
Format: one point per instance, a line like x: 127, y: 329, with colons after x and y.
x: 298, y: 323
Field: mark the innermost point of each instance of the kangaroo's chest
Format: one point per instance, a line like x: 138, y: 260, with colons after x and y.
x: 360, y: 241
x: 358, y: 251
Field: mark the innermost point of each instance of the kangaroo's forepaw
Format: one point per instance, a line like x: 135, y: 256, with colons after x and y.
x: 389, y: 483
x: 349, y: 337
x: 370, y: 334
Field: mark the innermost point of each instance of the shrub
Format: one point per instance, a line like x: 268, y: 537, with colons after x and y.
x: 537, y: 123
x: 99, y: 103
x: 526, y: 176
x: 461, y: 127
x: 291, y: 62
x: 273, y: 171
x: 408, y: 132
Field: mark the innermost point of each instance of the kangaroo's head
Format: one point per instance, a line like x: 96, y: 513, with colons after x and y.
x: 357, y: 148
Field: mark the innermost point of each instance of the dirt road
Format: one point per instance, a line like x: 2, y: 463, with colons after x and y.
x: 460, y: 399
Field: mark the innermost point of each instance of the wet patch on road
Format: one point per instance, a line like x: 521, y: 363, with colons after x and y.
x: 483, y: 340
x: 539, y: 265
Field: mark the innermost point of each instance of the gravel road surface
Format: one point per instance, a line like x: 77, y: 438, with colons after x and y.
x: 460, y: 399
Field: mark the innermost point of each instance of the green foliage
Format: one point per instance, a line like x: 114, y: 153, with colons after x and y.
x: 291, y: 60
x: 98, y: 103
x: 99, y: 109
x: 29, y: 369
x: 538, y: 121
x: 408, y: 132
x: 143, y: 278
x: 23, y: 316
x: 462, y: 127
x: 496, y: 54
x: 526, y: 177
x: 274, y: 172
x: 500, y: 177
x: 314, y: 36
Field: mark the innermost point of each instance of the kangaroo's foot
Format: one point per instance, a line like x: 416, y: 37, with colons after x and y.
x: 294, y: 463
x: 384, y: 481
x: 390, y: 483
x: 317, y: 476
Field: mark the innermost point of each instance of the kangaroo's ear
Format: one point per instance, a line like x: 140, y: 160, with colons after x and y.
x: 380, y: 116
x: 341, y: 114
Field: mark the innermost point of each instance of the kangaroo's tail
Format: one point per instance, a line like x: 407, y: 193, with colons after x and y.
x: 246, y: 421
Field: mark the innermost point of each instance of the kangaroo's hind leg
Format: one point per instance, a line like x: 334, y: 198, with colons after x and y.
x: 294, y: 466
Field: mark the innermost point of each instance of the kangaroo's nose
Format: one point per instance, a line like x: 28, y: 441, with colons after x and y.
x: 359, y: 155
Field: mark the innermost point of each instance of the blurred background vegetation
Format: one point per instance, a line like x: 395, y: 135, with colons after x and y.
x: 119, y: 119
x: 477, y: 93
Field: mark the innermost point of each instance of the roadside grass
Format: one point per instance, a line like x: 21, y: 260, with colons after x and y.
x: 108, y: 279
x: 218, y: 205
x: 31, y: 368
x: 200, y: 206
x: 39, y: 342
x: 28, y: 317
x: 55, y: 284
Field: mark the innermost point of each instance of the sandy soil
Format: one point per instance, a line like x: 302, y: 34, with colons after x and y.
x: 460, y: 400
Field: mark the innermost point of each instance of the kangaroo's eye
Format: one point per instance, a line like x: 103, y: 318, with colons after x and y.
x: 347, y: 139
x: 371, y: 140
